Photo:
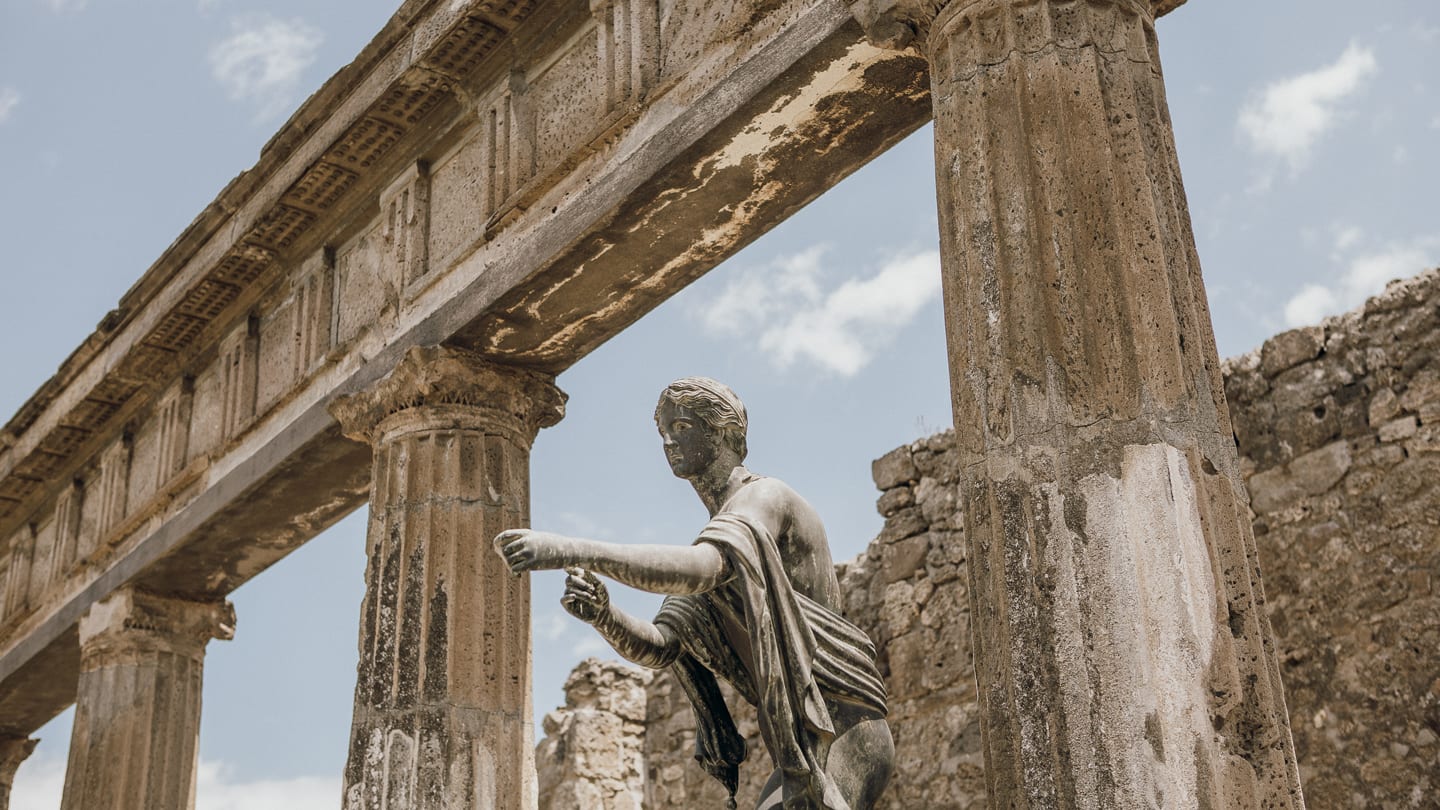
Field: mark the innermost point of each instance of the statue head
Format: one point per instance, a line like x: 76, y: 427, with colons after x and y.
x: 718, y: 410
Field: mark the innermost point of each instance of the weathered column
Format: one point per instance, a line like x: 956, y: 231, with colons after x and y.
x: 1123, y: 655
x: 13, y: 751
x: 136, y: 738
x: 442, y: 699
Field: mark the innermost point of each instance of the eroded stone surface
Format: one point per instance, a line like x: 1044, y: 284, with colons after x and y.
x: 1352, y: 556
x: 13, y: 751
x: 135, y: 741
x: 442, y: 698
x: 593, y: 752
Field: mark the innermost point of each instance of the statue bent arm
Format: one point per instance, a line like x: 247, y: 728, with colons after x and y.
x: 639, y: 641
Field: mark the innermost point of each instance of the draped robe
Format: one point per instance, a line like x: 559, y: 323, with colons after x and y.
x: 802, y: 657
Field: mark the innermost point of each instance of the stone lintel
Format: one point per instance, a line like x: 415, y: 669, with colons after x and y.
x: 437, y: 376
x: 132, y: 623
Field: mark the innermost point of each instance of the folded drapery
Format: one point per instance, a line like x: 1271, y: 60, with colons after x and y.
x: 800, y: 655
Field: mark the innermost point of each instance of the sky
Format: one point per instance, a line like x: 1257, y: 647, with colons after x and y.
x: 1306, y: 133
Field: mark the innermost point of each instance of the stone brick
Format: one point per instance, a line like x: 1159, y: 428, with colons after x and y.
x: 1397, y: 429
x: 1383, y: 406
x: 901, y: 559
x: 893, y: 500
x: 1310, y: 474
x: 893, y: 469
x: 1291, y: 348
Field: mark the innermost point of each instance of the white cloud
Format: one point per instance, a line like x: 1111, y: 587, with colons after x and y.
x: 1348, y: 237
x: 9, y: 97
x: 66, y: 6
x: 216, y: 789
x: 550, y: 626
x: 784, y: 309
x: 1288, y: 117
x: 592, y: 645
x: 261, y: 62
x: 1364, y: 275
x: 40, y: 782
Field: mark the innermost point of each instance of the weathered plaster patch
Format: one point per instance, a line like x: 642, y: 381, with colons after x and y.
x: 1146, y: 556
x: 843, y: 75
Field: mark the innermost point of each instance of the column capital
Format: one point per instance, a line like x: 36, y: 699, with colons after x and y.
x: 132, y: 622
x: 441, y: 378
x: 900, y: 24
x: 13, y: 751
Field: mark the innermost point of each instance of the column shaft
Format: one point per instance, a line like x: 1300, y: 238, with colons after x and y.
x: 1123, y: 655
x: 135, y: 741
x: 443, y: 714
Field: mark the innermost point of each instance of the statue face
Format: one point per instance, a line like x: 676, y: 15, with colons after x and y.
x: 691, y: 446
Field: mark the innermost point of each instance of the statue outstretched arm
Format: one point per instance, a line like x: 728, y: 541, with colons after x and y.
x: 666, y: 570
x: 639, y: 641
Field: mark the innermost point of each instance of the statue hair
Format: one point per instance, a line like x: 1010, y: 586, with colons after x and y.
x: 715, y: 403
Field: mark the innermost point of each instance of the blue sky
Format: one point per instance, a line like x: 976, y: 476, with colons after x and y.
x: 1306, y: 131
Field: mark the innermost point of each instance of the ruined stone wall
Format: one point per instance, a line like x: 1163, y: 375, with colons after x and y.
x: 591, y: 755
x: 1338, y: 427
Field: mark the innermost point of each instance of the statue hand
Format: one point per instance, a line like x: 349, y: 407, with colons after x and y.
x: 585, y: 595
x: 529, y: 550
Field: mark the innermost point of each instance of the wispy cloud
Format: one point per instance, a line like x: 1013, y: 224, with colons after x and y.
x: 550, y: 626
x: 40, y: 782
x: 1363, y: 274
x: 593, y: 645
x: 788, y: 313
x: 9, y: 98
x: 1288, y: 117
x: 262, y: 60
x: 66, y: 6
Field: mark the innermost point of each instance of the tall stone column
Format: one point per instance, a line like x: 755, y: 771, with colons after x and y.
x: 1123, y: 654
x: 13, y: 751
x: 443, y: 714
x: 136, y: 738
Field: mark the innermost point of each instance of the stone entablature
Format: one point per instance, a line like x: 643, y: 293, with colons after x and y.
x: 501, y: 176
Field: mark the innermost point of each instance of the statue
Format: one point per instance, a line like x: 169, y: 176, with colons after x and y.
x: 755, y: 601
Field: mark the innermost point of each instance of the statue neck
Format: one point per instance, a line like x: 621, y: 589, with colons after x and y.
x: 719, y: 483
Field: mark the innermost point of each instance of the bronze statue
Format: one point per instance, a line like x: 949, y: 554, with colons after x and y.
x: 755, y: 601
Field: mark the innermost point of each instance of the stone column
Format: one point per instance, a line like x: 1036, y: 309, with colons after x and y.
x: 136, y: 736
x: 1123, y: 653
x: 443, y: 712
x: 13, y: 751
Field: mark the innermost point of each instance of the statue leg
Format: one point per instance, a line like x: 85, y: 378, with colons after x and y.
x: 860, y: 762
x: 772, y: 796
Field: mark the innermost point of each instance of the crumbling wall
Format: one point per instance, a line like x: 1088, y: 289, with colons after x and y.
x: 591, y: 755
x: 1338, y: 428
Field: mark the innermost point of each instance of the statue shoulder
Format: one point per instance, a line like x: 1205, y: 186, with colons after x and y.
x: 772, y: 500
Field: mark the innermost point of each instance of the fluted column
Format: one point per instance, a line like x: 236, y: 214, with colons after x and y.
x: 13, y: 751
x: 1123, y: 655
x: 443, y: 714
x: 136, y: 738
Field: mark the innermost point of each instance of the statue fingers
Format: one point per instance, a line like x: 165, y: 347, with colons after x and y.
x: 505, y: 539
